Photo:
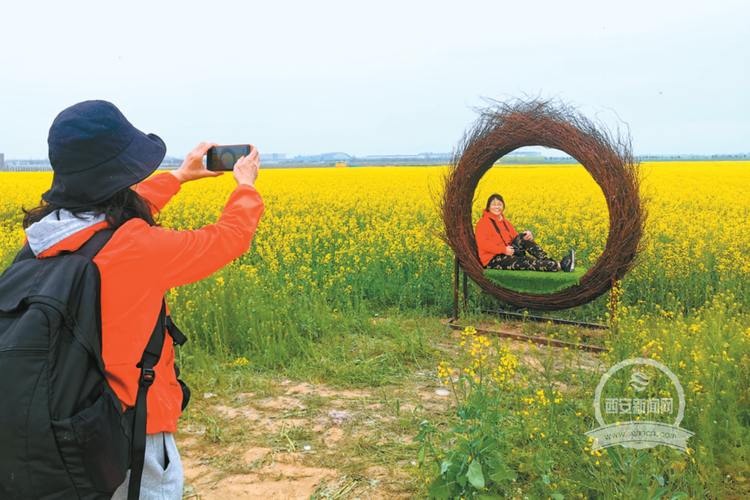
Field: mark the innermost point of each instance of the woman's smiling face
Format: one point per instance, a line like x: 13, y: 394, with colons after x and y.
x: 497, y: 207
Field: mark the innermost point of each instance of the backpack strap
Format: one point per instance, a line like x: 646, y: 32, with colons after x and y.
x: 150, y: 357
x: 178, y: 338
x: 498, y: 232
x: 94, y: 244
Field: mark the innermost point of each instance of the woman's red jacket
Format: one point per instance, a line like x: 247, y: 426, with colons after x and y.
x: 138, y: 265
x: 489, y: 242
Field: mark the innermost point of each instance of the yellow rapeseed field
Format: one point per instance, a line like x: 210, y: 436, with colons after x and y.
x: 334, y: 230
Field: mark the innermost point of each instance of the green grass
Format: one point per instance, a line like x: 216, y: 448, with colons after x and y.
x: 543, y: 438
x: 535, y: 282
x: 354, y: 352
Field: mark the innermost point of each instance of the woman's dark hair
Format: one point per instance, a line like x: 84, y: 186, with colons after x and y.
x: 122, y: 206
x: 494, y: 197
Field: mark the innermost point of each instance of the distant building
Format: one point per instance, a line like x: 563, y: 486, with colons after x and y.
x: 323, y: 157
x: 419, y: 157
x: 171, y: 163
x: 334, y: 156
x: 520, y: 152
x: 435, y: 156
x: 272, y: 156
x: 24, y: 165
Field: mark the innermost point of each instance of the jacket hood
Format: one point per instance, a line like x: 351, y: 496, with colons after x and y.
x: 57, y: 230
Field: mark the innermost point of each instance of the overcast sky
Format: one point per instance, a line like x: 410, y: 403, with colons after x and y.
x: 385, y: 77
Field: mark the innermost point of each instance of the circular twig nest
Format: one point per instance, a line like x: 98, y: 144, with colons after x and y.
x: 506, y: 126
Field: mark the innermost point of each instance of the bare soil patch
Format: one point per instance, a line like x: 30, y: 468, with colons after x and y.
x: 312, y: 441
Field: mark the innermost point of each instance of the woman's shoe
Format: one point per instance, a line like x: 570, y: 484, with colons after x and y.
x: 568, y: 263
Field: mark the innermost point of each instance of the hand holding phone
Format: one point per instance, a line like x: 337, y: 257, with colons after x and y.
x: 246, y: 169
x: 224, y: 158
x: 192, y: 168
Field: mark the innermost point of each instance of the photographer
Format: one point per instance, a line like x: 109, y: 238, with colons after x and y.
x: 500, y: 246
x: 101, y: 180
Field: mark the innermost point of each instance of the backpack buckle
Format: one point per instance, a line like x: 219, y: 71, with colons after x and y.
x: 147, y: 377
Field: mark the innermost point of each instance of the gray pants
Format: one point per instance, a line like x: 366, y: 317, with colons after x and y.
x: 162, y: 471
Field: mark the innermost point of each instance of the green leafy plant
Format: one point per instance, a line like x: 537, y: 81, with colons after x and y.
x: 475, y: 463
x: 636, y: 476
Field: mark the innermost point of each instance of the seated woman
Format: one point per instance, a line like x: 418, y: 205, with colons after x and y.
x: 501, y: 247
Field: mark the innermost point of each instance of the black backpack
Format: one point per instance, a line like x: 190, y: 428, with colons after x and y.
x: 63, y: 433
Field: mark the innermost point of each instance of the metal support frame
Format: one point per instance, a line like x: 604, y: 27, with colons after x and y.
x: 466, y: 292
x: 529, y: 338
x: 455, y: 289
x: 456, y: 271
x: 523, y: 317
x: 544, y: 319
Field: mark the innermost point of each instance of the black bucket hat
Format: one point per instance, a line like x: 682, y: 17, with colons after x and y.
x: 95, y: 152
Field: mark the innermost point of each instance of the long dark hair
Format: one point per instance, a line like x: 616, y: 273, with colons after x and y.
x: 122, y: 206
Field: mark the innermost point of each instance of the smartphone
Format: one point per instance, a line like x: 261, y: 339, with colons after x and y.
x: 224, y: 157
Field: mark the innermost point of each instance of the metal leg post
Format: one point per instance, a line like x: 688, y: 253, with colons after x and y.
x: 455, y: 290
x: 466, y: 292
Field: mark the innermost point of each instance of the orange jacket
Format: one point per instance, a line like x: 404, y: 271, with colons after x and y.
x: 489, y: 243
x: 137, y: 266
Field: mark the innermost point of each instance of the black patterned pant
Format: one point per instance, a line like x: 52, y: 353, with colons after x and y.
x: 517, y: 262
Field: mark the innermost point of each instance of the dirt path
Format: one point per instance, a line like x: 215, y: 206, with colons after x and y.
x: 308, y: 442
x: 294, y: 440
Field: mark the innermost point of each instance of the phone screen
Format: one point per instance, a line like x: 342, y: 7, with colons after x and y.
x: 224, y: 157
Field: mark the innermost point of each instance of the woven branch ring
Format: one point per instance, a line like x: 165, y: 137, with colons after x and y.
x: 505, y: 127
